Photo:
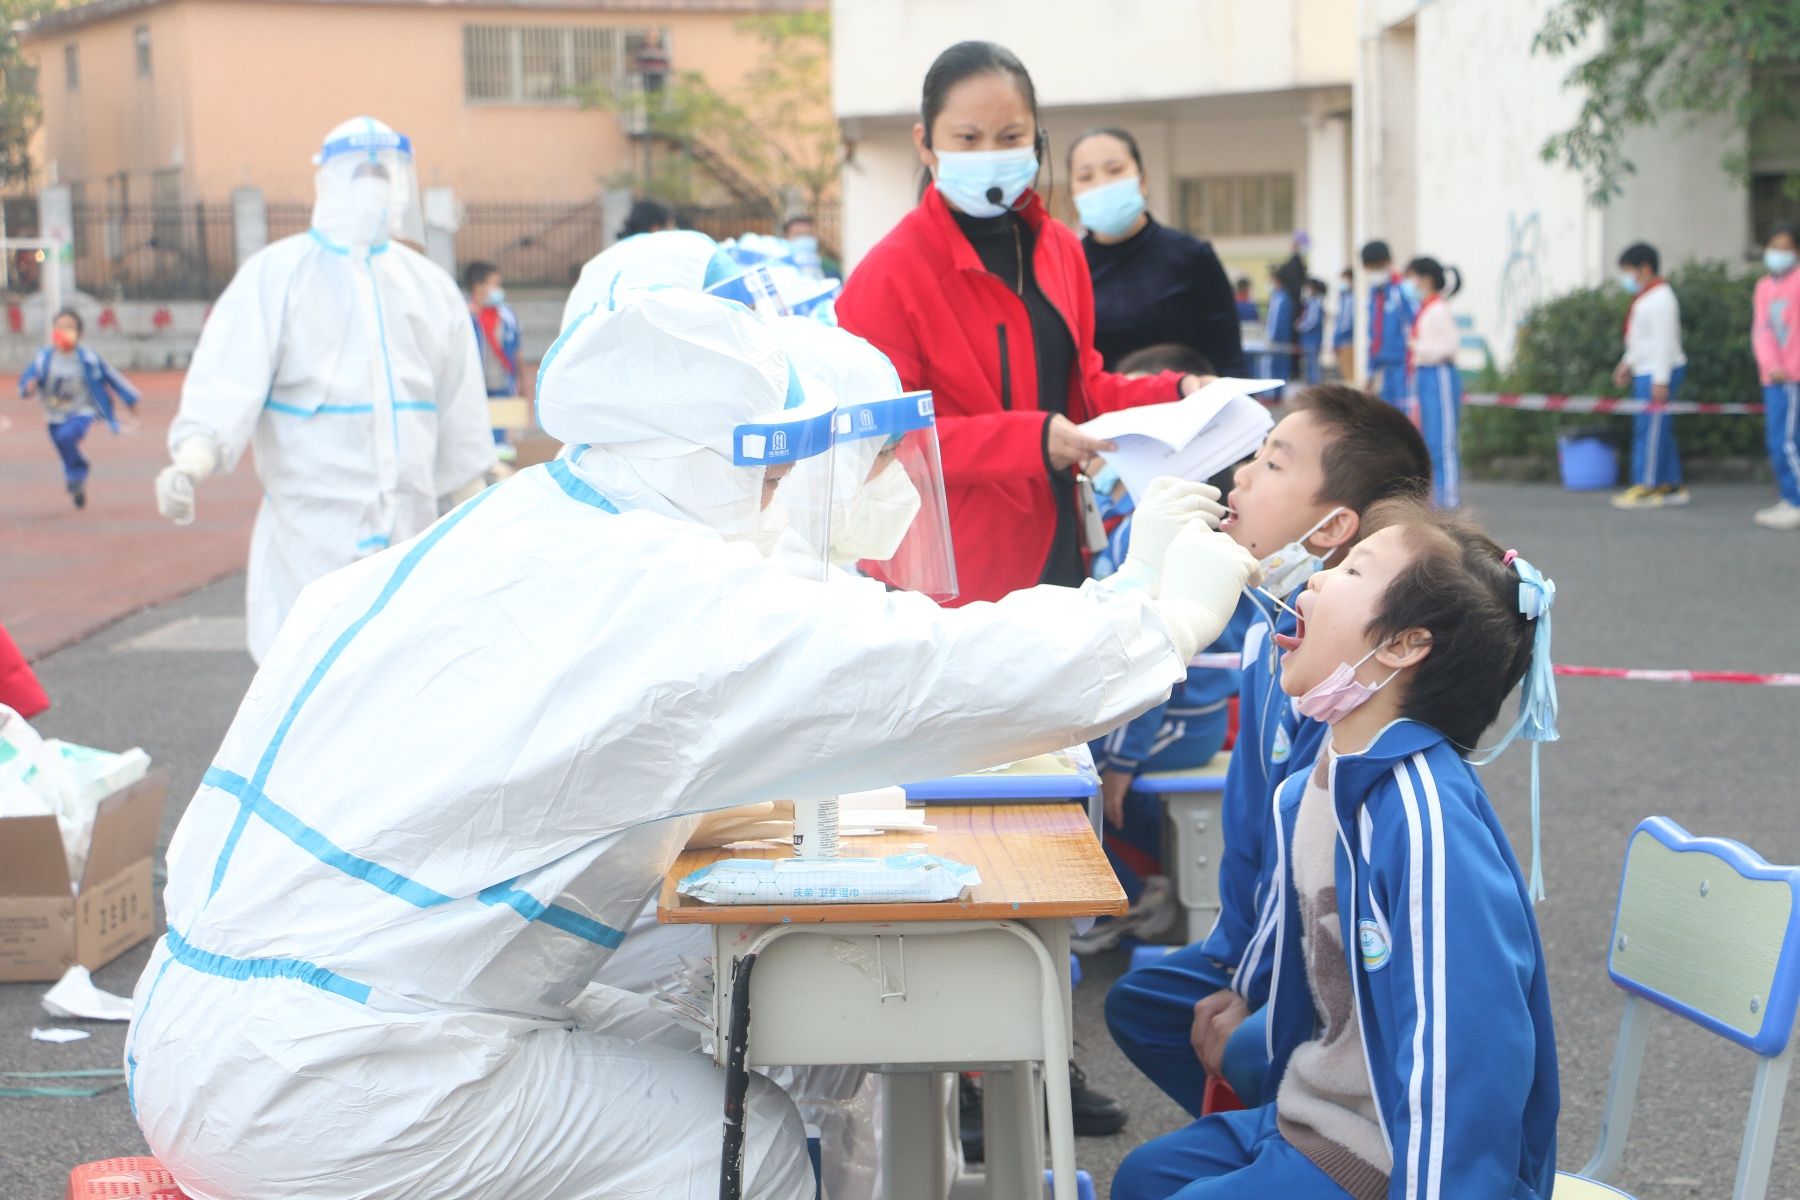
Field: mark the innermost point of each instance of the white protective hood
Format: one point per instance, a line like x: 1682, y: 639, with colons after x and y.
x: 366, y: 190
x: 682, y: 258
x: 833, y: 362
x: 654, y: 386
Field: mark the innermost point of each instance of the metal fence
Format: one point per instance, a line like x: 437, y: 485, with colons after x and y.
x: 188, y: 251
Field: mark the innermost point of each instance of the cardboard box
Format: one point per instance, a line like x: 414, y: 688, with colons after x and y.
x: 46, y: 927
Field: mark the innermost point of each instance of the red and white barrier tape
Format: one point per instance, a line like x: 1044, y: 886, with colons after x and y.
x: 1784, y: 679
x: 1537, y: 402
x: 1219, y: 661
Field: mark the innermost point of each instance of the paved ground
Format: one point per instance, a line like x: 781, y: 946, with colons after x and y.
x: 1695, y: 588
x: 65, y: 572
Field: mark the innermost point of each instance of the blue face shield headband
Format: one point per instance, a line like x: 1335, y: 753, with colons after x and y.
x: 1536, y: 721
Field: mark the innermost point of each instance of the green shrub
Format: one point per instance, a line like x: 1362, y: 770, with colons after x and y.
x: 1569, y: 346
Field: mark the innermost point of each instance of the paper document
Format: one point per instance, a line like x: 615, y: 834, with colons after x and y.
x: 1194, y: 438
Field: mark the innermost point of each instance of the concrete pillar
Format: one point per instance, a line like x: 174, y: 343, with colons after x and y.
x: 56, y: 221
x: 1328, y: 192
x: 249, y: 222
x: 615, y: 209
x: 443, y: 217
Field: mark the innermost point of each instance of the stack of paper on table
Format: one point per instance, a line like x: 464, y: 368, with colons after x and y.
x: 1193, y: 438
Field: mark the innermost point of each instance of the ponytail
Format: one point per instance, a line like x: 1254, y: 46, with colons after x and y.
x: 1432, y: 269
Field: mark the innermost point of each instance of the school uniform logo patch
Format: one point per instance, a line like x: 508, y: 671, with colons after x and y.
x: 1376, y: 949
x: 1284, y: 745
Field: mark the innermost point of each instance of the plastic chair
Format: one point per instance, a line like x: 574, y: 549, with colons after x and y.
x: 1707, y: 930
x: 1196, y: 843
x: 113, y: 1178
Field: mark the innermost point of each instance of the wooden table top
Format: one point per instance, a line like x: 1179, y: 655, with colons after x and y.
x: 1035, y: 860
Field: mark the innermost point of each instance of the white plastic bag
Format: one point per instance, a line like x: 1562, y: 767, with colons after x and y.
x: 39, y: 776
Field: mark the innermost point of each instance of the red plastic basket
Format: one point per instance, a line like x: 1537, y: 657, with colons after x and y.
x: 114, y: 1177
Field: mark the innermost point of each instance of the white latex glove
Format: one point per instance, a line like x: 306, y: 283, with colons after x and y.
x: 750, y: 823
x: 1202, y: 576
x: 194, y: 459
x: 1169, y: 505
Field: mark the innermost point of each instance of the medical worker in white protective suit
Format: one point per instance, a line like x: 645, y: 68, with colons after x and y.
x: 449, y: 788
x: 345, y: 357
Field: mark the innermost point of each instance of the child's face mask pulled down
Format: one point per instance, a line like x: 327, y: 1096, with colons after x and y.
x: 1340, y: 693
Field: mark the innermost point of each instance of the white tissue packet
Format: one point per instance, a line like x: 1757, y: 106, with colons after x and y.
x: 897, y: 879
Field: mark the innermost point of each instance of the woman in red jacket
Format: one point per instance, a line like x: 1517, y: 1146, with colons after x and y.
x: 981, y: 297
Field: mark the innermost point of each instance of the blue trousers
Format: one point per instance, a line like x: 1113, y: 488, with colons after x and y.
x: 1150, y: 1013
x: 1390, y: 384
x: 66, y: 435
x: 1781, y: 422
x: 1437, y: 398
x: 1313, y: 372
x: 1655, y: 460
x: 1223, y: 1157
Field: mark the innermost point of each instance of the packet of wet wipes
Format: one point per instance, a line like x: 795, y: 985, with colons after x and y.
x: 898, y: 879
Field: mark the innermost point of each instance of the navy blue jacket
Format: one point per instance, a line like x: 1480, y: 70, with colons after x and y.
x: 1161, y: 285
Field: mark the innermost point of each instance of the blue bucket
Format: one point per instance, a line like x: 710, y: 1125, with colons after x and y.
x: 1587, y: 464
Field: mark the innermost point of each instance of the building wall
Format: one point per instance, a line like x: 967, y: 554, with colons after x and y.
x: 1120, y: 52
x: 243, y: 92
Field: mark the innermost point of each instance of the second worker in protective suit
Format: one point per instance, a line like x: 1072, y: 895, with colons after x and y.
x: 466, y: 763
x: 345, y: 358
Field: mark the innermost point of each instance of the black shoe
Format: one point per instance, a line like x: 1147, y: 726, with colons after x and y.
x: 78, y: 493
x: 1096, y: 1114
x: 968, y: 1125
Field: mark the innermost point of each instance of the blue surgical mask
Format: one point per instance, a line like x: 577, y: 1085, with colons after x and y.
x: 986, y: 183
x: 1630, y: 284
x: 1410, y: 290
x: 1779, y: 262
x: 496, y: 296
x: 1110, y: 209
x: 1287, y: 569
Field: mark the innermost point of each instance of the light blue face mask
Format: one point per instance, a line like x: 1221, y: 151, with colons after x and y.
x: 1630, y: 284
x: 496, y: 296
x: 1112, y: 208
x: 1410, y: 290
x: 1779, y: 262
x: 986, y: 183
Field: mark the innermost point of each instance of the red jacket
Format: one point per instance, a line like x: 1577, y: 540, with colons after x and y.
x: 923, y: 298
x: 19, y: 689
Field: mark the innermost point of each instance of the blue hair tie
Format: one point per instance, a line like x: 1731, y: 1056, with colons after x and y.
x: 1536, y: 721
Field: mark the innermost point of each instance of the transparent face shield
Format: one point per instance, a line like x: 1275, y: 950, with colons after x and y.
x: 794, y: 526
x: 755, y: 289
x: 897, y: 525
x: 366, y: 190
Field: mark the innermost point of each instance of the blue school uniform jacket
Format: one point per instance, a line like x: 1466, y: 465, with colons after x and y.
x: 1273, y: 741
x: 1451, y: 993
x: 103, y: 382
x: 1343, y: 326
x: 1390, y: 323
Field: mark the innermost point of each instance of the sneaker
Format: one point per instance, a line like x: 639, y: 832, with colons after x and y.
x: 1153, y: 916
x: 1783, y: 516
x: 1096, y: 1113
x: 1770, y: 511
x: 1638, y: 496
x: 1673, y: 496
x: 78, y: 494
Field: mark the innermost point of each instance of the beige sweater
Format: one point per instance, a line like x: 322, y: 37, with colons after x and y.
x: 1325, y: 1106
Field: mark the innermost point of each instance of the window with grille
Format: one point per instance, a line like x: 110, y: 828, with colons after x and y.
x: 541, y: 64
x: 1237, y: 205
x: 72, y: 67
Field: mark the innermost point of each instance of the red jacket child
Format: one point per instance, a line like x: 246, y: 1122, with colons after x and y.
x: 923, y: 298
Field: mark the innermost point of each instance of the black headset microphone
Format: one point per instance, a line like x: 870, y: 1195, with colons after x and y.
x: 994, y: 195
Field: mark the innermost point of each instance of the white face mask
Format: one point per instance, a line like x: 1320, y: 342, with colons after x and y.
x: 883, y: 512
x: 1288, y: 568
x: 370, y: 196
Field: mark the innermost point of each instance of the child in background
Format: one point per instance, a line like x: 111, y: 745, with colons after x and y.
x: 1436, y: 386
x: 1296, y: 506
x: 1653, y: 367
x: 497, y: 337
x: 1775, y: 336
x: 1343, y: 327
x: 1311, y: 329
x: 1419, y: 1058
x: 1280, y: 331
x: 1246, y: 305
x: 75, y: 385
x: 1390, y: 319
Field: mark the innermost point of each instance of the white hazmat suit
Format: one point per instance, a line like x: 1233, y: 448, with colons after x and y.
x: 467, y: 761
x: 346, y: 359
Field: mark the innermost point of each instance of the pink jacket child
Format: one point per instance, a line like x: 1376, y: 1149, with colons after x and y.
x: 1775, y: 337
